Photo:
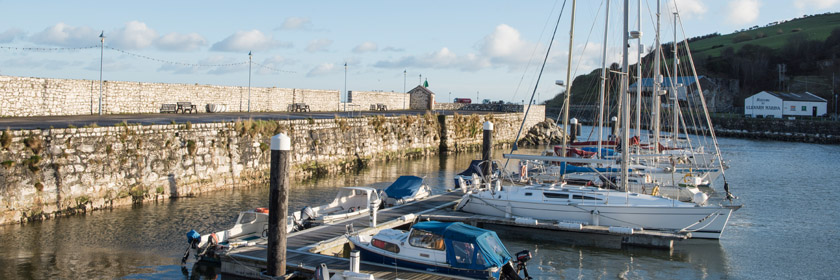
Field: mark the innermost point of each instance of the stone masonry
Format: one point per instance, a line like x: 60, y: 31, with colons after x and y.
x: 53, y: 172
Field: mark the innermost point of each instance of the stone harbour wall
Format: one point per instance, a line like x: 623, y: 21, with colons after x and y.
x: 54, y: 172
x: 393, y: 100
x: 23, y: 96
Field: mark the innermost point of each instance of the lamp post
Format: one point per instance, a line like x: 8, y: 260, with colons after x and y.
x: 345, y: 86
x: 249, y: 81
x: 405, y: 76
x: 450, y: 97
x: 101, y: 56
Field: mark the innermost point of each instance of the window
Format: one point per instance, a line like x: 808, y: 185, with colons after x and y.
x: 584, y: 197
x: 387, y: 246
x: 804, y: 108
x: 463, y: 252
x: 425, y: 239
x: 556, y: 195
x: 792, y: 108
x: 247, y: 218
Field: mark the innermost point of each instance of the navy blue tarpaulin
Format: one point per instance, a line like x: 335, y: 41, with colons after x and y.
x: 404, y: 186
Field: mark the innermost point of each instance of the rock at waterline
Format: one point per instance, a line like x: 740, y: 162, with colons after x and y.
x: 543, y: 133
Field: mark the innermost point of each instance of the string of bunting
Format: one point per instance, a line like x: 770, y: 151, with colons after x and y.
x: 176, y: 62
x: 47, y: 49
x: 273, y: 69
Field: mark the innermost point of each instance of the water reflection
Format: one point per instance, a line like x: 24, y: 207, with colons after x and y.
x: 780, y: 232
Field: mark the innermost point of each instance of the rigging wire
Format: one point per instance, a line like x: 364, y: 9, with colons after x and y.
x: 533, y: 52
x: 545, y: 59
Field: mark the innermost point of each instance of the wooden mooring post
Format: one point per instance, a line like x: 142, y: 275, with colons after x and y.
x: 487, y: 151
x: 278, y: 203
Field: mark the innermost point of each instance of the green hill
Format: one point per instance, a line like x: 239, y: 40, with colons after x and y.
x: 809, y: 47
x: 774, y: 36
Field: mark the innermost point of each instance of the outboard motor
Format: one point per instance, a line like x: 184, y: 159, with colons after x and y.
x: 521, y: 258
x: 307, y: 213
x: 193, y: 238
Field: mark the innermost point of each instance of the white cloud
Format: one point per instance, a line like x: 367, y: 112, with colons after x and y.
x: 392, y: 49
x: 441, y: 59
x: 506, y: 46
x: 688, y: 8
x: 365, y: 47
x: 11, y: 34
x: 742, y: 11
x: 253, y: 40
x: 810, y: 5
x: 321, y: 70
x: 296, y: 23
x: 134, y: 35
x: 180, y: 42
x: 62, y: 34
x: 318, y: 45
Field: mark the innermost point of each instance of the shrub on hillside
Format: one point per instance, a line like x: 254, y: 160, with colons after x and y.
x: 743, y: 37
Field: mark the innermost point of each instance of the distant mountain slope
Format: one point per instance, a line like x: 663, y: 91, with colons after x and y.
x: 772, y: 35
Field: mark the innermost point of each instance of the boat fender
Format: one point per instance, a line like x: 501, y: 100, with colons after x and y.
x: 700, y: 198
x: 621, y: 230
x: 261, y: 210
x: 352, y: 209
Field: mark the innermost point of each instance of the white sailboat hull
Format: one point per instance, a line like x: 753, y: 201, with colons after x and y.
x: 702, y: 222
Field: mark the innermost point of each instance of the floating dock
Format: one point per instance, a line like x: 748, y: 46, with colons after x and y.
x: 327, y: 244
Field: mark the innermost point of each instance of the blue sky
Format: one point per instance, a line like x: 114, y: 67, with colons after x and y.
x: 492, y: 49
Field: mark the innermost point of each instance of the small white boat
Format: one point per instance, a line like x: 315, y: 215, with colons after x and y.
x: 252, y: 225
x: 448, y: 248
x: 404, y: 190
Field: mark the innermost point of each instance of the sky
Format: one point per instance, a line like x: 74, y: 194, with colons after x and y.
x: 468, y: 49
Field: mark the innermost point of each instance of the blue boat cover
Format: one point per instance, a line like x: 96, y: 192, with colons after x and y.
x: 404, y: 186
x: 604, y: 151
x: 475, y: 168
x: 568, y: 168
x: 469, y: 247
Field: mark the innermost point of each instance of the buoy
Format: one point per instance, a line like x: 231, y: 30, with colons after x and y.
x: 261, y: 210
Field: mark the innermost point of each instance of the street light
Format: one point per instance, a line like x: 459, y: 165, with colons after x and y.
x: 405, y: 76
x: 249, y: 81
x: 101, y: 56
x: 345, y: 86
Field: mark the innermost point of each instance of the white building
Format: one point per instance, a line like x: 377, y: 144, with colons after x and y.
x: 771, y: 104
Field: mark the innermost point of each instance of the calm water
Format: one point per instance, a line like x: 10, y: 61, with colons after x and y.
x: 788, y: 228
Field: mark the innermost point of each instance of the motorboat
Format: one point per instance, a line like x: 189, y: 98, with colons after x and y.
x: 252, y: 224
x: 404, y: 190
x: 448, y: 248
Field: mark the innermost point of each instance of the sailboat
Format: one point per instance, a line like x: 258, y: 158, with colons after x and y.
x: 599, y: 206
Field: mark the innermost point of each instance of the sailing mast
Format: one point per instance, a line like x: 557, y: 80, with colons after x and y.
x: 676, y: 108
x: 639, y: 74
x: 603, y: 81
x: 568, y: 82
x: 625, y: 108
x: 656, y: 80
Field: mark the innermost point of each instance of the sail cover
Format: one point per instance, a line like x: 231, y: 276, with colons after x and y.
x: 475, y: 168
x: 404, y: 186
x: 469, y: 247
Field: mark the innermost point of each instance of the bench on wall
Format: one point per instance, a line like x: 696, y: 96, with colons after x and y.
x: 186, y: 107
x: 168, y: 108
